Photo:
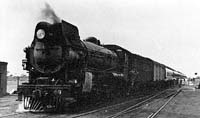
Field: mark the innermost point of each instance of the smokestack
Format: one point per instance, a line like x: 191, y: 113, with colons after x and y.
x: 49, y: 15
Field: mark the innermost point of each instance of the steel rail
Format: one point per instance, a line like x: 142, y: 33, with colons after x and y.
x: 98, y: 110
x: 79, y: 115
x: 110, y: 107
x: 153, y: 115
x: 134, y: 107
x: 105, y: 108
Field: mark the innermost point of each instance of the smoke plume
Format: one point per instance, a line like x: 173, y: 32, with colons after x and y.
x: 49, y: 15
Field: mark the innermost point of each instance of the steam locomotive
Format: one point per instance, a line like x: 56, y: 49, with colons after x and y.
x: 64, y: 69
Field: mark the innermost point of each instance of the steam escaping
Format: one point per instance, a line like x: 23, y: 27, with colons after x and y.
x: 49, y: 15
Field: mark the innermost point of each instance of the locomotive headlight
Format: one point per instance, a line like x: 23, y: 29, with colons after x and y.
x: 40, y: 34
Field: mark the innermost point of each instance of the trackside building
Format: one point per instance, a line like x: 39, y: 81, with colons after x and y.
x: 3, y: 78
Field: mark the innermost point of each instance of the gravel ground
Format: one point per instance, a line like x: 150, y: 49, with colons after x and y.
x: 8, y: 104
x: 185, y: 105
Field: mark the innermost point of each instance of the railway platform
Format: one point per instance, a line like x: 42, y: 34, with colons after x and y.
x: 184, y: 105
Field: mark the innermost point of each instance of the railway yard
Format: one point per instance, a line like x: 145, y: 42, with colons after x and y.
x: 71, y: 78
x: 116, y: 59
x: 171, y: 103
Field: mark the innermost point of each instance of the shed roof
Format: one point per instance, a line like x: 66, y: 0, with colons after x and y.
x: 1, y: 63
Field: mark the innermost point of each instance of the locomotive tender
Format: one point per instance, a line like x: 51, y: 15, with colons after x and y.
x: 63, y: 69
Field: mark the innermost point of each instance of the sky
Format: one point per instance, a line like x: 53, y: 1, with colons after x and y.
x: 167, y: 31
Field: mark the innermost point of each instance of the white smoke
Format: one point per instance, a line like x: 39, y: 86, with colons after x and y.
x: 49, y: 15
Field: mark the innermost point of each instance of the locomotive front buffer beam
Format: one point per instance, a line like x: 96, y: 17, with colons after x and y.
x: 45, y: 97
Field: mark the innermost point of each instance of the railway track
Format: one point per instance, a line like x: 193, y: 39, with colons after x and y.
x: 74, y: 116
x: 141, y: 104
x: 153, y: 115
x: 105, y: 110
x: 81, y: 114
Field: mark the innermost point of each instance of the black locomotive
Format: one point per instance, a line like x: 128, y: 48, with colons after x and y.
x: 63, y: 69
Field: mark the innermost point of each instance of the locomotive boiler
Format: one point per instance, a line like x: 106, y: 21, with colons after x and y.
x: 63, y: 69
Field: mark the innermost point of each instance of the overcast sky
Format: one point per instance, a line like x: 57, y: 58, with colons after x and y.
x: 167, y: 31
